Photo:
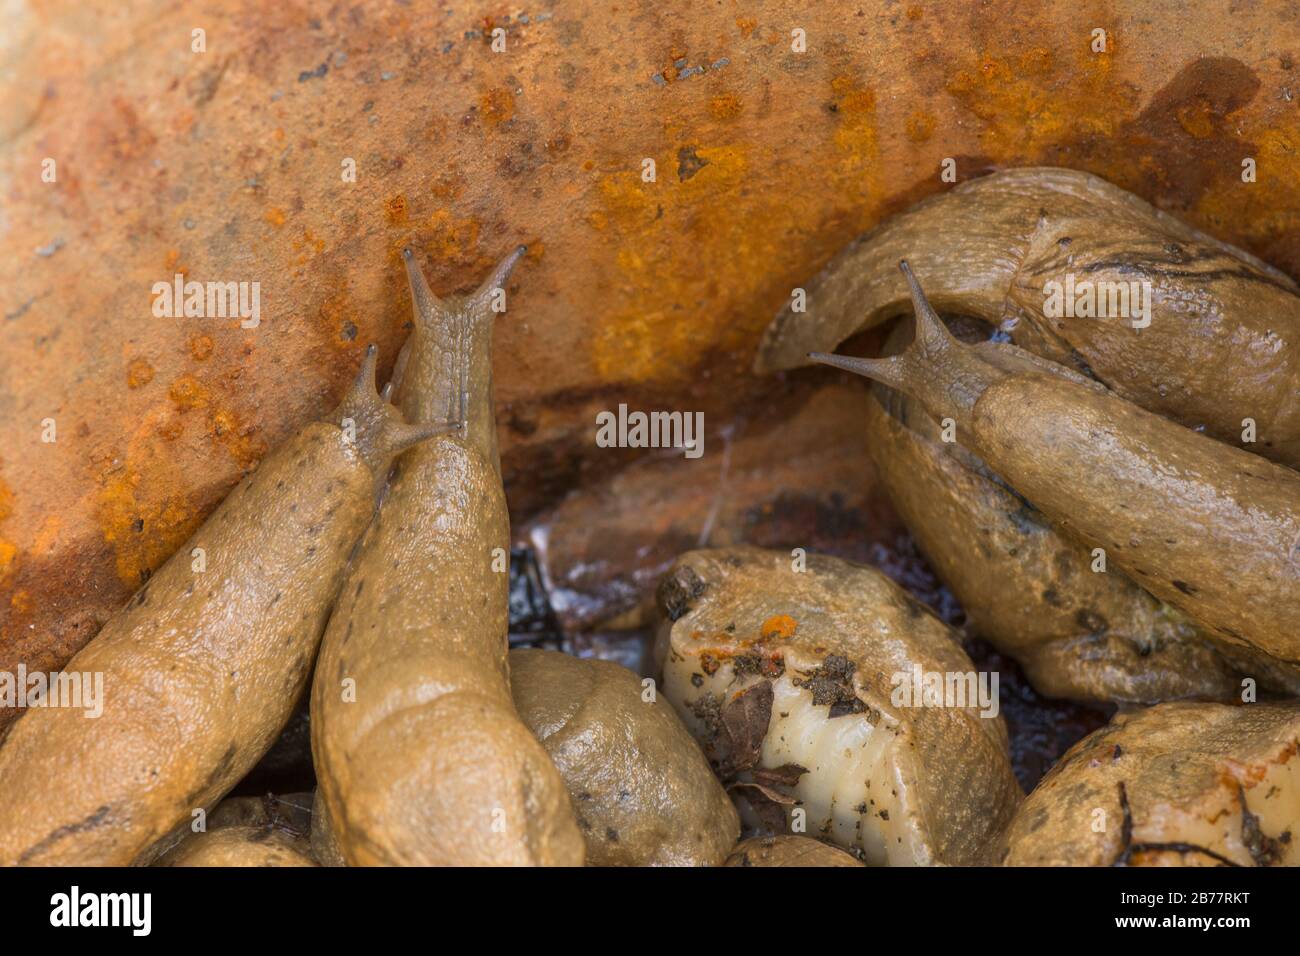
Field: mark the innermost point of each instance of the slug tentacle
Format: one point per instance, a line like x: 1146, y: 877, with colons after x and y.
x: 499, y: 276
x: 946, y: 376
x: 445, y: 371
x: 380, y: 432
x: 1087, y: 276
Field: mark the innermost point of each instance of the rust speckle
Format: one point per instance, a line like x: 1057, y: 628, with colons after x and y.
x: 188, y: 392
x: 395, y: 210
x: 275, y: 216
x: 237, y: 438
x: 201, y: 346
x: 920, y: 126
x: 7, y: 554
x: 496, y: 106
x: 138, y: 373
x: 172, y: 263
x: 725, y: 106
x: 143, y: 495
x: 780, y: 626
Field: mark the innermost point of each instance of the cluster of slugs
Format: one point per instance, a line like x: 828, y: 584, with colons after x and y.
x: 1082, y: 485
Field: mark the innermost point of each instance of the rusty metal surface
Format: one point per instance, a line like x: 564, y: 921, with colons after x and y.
x: 225, y: 166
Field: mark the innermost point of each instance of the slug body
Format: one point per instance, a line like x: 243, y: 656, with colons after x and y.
x: 420, y: 754
x: 1030, y: 590
x: 1212, y: 530
x: 789, y: 851
x: 798, y: 683
x: 643, y: 793
x: 203, y: 667
x: 241, y: 846
x: 1178, y: 784
x: 1223, y: 340
x: 249, y: 831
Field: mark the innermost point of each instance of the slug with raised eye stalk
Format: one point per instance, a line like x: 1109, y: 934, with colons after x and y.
x: 1029, y: 589
x: 420, y: 754
x: 1210, y: 529
x: 203, y: 667
x: 1205, y: 334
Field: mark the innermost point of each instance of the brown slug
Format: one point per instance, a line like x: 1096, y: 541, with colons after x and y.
x: 810, y: 684
x: 1028, y: 589
x: 643, y: 793
x: 420, y: 754
x: 1177, y: 784
x: 1208, y: 528
x: 249, y: 831
x: 1220, y: 336
x: 203, y: 667
x: 241, y: 846
x: 789, y: 851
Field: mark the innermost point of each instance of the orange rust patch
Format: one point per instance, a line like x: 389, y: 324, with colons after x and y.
x: 451, y: 239
x: 747, y: 26
x: 395, y: 210
x: 725, y: 106
x: 237, y: 438
x: 173, y: 263
x: 1029, y: 101
x: 1196, y: 118
x: 496, y: 106
x: 780, y: 626
x: 920, y: 126
x: 143, y: 532
x: 1262, y: 210
x: 21, y: 602
x: 171, y: 428
x: 188, y: 392
x: 275, y: 216
x: 201, y: 346
x: 856, y: 106
x: 661, y: 321
x: 138, y: 373
x: 7, y: 554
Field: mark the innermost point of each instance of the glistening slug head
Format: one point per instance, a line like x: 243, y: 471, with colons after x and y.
x: 379, y: 430
x: 946, y: 376
x: 446, y: 374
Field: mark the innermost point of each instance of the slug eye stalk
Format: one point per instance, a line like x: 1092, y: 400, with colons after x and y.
x: 380, y: 429
x: 451, y: 346
x: 946, y: 376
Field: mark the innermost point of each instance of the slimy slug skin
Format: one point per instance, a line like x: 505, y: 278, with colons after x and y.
x: 1027, y: 588
x: 1223, y: 340
x: 790, y: 680
x: 788, y: 851
x: 324, y: 843
x: 241, y: 846
x: 1178, y: 784
x: 249, y: 831
x: 643, y: 793
x: 1207, y: 528
x: 420, y: 755
x: 203, y: 667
